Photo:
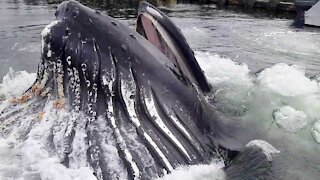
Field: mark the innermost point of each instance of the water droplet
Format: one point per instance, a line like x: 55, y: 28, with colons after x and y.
x: 83, y: 66
x: 67, y: 31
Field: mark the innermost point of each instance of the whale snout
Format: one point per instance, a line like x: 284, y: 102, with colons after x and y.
x: 68, y: 9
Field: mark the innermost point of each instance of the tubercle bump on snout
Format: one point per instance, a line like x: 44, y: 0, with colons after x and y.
x: 68, y: 9
x: 50, y: 73
x: 50, y: 83
x: 58, y: 74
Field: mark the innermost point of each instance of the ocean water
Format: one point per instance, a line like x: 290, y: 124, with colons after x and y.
x: 263, y: 72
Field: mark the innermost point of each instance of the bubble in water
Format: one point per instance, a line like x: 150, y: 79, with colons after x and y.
x: 289, y: 119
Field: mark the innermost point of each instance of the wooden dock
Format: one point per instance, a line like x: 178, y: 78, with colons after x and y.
x: 268, y: 4
x: 282, y: 5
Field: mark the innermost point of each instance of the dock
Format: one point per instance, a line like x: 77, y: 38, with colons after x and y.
x: 282, y: 5
x: 299, y: 7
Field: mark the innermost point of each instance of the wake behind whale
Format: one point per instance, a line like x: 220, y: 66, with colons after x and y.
x: 122, y: 105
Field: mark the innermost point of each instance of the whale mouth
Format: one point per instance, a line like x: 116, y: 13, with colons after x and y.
x: 148, y: 26
x: 154, y: 32
x: 163, y: 34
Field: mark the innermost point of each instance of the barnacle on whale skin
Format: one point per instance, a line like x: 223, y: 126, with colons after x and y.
x: 21, y: 99
x: 36, y: 89
x: 41, y: 115
x: 59, y: 104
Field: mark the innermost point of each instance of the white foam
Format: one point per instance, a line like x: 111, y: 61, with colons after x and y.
x: 235, y: 87
x: 290, y: 119
x: 223, y: 70
x: 212, y: 171
x: 35, y: 153
x: 267, y: 148
x: 232, y: 82
x: 287, y: 80
x: 15, y: 83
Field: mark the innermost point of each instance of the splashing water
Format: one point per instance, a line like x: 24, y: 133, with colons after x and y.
x: 198, y: 172
x: 279, y: 104
x: 24, y: 151
x: 271, y: 89
x: 290, y: 120
x: 15, y: 83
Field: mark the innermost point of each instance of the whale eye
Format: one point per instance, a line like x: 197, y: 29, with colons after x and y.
x: 56, y: 13
x: 97, y: 12
x: 114, y: 23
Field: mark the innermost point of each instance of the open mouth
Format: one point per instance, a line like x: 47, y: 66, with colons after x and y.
x: 154, y: 32
x: 157, y: 28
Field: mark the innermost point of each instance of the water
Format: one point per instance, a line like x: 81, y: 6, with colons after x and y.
x: 280, y: 105
x: 21, y: 23
x: 240, y: 54
x: 259, y: 41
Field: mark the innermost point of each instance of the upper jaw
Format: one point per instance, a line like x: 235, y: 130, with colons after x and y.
x: 145, y: 7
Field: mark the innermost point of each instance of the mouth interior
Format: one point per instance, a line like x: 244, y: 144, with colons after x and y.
x: 148, y: 27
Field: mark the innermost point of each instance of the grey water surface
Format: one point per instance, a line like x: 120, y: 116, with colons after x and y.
x: 259, y: 41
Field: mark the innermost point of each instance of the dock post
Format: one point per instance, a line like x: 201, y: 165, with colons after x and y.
x: 299, y: 20
x: 301, y: 7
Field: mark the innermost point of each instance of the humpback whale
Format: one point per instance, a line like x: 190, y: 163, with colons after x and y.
x: 106, y: 91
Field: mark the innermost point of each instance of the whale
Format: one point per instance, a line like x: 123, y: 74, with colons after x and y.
x: 127, y: 104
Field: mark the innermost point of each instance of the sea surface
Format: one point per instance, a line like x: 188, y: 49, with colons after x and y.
x: 263, y: 72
